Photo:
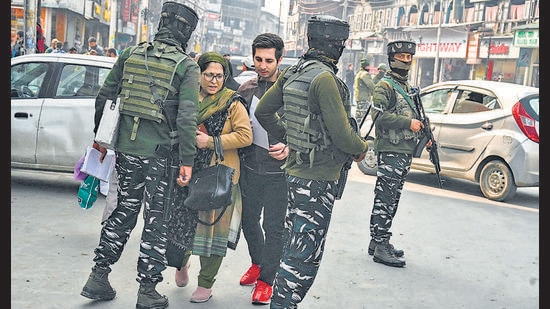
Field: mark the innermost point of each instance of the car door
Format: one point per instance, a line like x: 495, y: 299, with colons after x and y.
x: 465, y: 131
x: 27, y: 81
x: 436, y: 104
x: 67, y: 121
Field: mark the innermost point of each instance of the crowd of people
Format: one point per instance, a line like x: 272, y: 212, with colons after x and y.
x: 287, y: 170
x: 57, y: 46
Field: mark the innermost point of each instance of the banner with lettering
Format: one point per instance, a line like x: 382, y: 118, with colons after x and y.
x: 452, y: 43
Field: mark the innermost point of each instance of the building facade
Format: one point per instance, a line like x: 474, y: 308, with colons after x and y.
x: 471, y: 39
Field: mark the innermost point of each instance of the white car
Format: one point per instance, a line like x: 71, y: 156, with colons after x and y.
x: 486, y: 132
x: 52, y: 108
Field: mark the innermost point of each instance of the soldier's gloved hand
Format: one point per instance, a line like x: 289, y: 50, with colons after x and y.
x: 359, y: 157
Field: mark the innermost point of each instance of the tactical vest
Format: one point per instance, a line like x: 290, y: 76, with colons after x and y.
x: 306, y: 130
x: 136, y: 97
x: 401, y: 108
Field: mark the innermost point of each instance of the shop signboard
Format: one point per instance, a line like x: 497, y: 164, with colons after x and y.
x: 526, y: 38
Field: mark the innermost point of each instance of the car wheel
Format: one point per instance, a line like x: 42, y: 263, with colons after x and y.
x: 496, y: 181
x: 369, y: 164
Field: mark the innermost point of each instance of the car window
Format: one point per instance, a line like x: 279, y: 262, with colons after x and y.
x: 27, y: 79
x: 531, y: 105
x: 81, y: 80
x: 475, y: 102
x: 436, y: 101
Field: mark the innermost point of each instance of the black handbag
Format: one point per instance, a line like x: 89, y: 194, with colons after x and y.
x: 211, y: 187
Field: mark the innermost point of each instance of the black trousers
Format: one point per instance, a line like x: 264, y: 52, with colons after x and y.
x: 264, y: 235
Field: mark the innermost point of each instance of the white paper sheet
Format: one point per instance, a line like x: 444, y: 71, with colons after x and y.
x: 100, y: 170
x: 259, y: 134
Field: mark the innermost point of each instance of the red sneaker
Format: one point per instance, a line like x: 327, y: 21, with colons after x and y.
x: 262, y: 293
x: 251, y: 275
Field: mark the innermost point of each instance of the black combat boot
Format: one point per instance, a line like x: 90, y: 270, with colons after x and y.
x: 397, y: 252
x: 149, y: 298
x: 98, y: 287
x: 384, y: 254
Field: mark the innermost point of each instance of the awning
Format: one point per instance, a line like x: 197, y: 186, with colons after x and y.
x: 526, y: 26
x: 361, y: 35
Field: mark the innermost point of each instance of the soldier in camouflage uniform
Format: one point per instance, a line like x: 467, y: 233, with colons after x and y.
x: 364, y: 86
x: 148, y: 147
x: 316, y: 128
x: 397, y: 132
x: 382, y: 68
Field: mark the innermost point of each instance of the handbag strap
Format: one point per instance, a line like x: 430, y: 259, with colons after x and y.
x: 217, y: 219
x: 218, y: 148
x: 218, y: 151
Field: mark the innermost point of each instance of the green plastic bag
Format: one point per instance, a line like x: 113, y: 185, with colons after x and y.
x: 87, y: 192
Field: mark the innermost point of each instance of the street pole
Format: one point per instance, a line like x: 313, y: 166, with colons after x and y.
x: 489, y: 65
x: 113, y: 25
x: 436, y: 62
x: 345, y: 11
x: 31, y: 17
x: 280, y: 13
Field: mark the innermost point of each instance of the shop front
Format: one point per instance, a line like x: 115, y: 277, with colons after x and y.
x: 448, y: 46
x: 526, y: 38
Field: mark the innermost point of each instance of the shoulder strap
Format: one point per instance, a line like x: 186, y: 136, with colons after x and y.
x: 401, y: 91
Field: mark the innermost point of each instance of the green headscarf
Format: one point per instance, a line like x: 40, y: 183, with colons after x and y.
x: 205, y: 58
x: 213, y: 103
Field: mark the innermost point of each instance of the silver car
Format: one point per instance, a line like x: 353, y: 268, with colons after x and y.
x: 486, y: 132
x: 52, y: 108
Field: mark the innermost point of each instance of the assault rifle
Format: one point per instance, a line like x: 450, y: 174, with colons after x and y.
x: 427, y: 135
x: 172, y: 170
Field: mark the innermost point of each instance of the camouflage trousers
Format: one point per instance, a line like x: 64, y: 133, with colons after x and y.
x: 140, y: 180
x: 308, y: 217
x: 361, y: 110
x: 393, y: 169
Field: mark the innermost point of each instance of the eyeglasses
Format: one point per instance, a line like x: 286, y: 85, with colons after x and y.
x: 211, y: 76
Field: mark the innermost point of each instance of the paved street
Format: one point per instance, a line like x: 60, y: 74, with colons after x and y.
x: 462, y: 251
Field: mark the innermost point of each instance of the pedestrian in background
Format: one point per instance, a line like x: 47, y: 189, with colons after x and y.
x: 318, y: 149
x: 223, y: 113
x: 52, y: 47
x: 58, y: 48
x: 40, y: 46
x: 262, y: 181
x: 111, y: 52
x: 363, y: 89
x: 18, y: 48
x: 92, y: 45
x: 397, y: 131
x: 230, y: 83
x: 382, y: 68
x: 147, y: 149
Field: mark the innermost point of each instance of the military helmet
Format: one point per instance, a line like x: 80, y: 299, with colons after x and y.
x: 382, y: 66
x: 401, y: 47
x: 326, y: 27
x: 180, y: 19
x: 364, y: 62
x: 327, y: 33
x: 181, y: 12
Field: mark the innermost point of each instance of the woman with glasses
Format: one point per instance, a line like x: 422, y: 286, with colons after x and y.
x: 221, y: 112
